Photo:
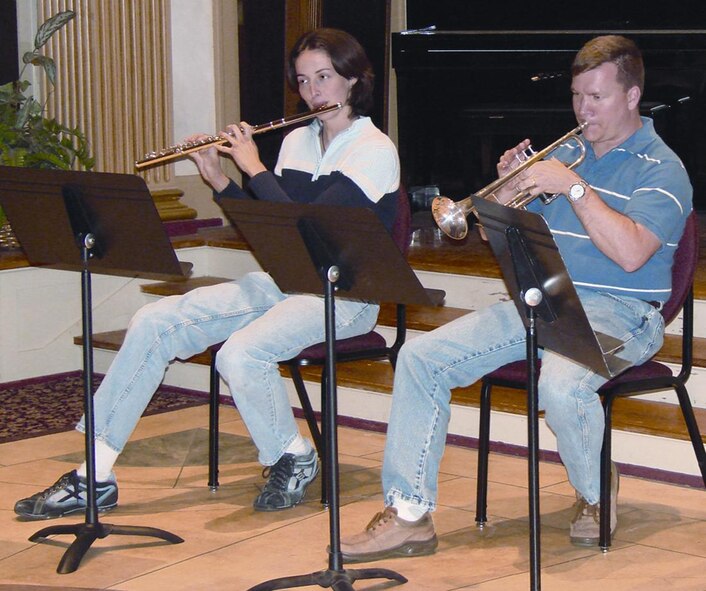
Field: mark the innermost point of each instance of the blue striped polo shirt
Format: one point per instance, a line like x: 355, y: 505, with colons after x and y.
x: 642, y: 179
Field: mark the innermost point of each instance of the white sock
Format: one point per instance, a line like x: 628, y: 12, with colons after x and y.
x: 105, y: 460
x: 408, y: 511
x: 298, y: 447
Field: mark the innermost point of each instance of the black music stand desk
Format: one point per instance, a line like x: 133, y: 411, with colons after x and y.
x: 546, y: 300
x: 84, y: 221
x: 322, y: 249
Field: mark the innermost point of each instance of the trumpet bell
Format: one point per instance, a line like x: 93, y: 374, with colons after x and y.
x: 450, y: 216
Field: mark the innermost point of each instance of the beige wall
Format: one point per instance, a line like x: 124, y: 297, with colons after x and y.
x: 221, y: 36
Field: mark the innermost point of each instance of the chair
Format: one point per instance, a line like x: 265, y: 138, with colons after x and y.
x: 651, y: 375
x: 372, y: 346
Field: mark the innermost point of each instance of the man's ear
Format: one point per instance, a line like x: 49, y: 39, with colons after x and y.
x: 634, y: 95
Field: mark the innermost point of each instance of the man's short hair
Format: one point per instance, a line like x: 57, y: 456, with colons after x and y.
x: 615, y: 49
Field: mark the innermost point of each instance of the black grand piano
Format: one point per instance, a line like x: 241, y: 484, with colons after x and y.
x: 471, y: 82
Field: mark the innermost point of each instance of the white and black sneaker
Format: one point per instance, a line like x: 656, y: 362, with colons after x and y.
x: 67, y: 495
x: 287, y: 482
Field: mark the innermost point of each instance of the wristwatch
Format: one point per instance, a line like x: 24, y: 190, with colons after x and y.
x: 577, y: 190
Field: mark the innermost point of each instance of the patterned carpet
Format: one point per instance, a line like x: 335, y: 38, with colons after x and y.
x: 51, y: 404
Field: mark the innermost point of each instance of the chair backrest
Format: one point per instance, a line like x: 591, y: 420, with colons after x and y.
x: 402, y: 226
x: 683, y: 268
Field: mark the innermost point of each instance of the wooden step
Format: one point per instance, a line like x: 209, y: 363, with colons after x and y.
x: 426, y: 318
x: 470, y: 256
x: 630, y: 414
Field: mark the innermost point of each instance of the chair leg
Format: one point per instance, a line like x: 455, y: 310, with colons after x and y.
x: 483, y: 451
x: 604, y: 537
x: 692, y: 426
x: 311, y: 422
x: 306, y: 407
x: 214, y: 403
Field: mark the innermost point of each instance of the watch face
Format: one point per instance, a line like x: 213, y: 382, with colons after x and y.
x: 577, y: 191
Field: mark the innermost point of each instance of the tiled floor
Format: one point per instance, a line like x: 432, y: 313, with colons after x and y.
x: 660, y: 544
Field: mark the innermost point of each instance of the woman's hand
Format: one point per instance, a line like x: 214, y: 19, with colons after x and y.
x: 208, y: 162
x: 242, y: 149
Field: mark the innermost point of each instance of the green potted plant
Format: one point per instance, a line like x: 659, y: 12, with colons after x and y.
x: 27, y: 137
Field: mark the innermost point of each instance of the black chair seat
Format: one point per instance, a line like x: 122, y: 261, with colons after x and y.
x: 360, y: 344
x: 515, y: 374
x: 651, y: 370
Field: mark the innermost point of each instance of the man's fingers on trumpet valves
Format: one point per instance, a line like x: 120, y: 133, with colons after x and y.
x: 513, y: 157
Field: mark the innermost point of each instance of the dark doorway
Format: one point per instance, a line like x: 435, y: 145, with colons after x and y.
x: 261, y: 47
x: 9, y: 66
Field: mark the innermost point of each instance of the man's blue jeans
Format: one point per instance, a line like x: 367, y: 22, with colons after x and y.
x: 461, y: 352
x: 260, y: 325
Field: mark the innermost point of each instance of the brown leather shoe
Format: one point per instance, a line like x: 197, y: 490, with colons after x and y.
x: 387, y: 536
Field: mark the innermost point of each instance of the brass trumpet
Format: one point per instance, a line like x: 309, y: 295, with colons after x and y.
x: 451, y: 215
x: 180, y: 150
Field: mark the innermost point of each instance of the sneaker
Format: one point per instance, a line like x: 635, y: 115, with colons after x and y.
x: 387, y: 536
x: 585, y: 524
x: 67, y: 495
x: 287, y: 482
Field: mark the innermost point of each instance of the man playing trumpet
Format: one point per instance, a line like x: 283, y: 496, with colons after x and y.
x: 617, y: 225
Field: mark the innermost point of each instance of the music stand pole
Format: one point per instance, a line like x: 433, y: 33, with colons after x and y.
x: 532, y: 298
x: 87, y: 333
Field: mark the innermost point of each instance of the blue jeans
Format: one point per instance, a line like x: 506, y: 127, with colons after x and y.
x: 463, y: 351
x: 260, y: 326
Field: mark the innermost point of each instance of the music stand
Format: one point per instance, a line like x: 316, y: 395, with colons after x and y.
x: 79, y: 221
x: 554, y: 318
x: 323, y: 249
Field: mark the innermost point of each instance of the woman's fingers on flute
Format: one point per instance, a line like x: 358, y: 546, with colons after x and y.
x: 196, y: 137
x: 243, y: 131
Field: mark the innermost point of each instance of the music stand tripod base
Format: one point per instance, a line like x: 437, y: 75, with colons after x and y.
x: 330, y: 579
x: 87, y: 533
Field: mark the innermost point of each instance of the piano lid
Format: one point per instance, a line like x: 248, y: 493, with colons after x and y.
x: 557, y: 15
x: 459, y: 49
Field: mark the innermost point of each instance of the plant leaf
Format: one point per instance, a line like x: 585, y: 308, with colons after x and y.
x: 50, y: 69
x: 45, y: 62
x: 51, y: 26
x: 29, y: 57
x: 23, y: 114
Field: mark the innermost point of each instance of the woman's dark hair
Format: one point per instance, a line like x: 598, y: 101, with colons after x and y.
x: 348, y: 59
x: 615, y: 49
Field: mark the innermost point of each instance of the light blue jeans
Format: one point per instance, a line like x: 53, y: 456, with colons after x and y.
x: 461, y: 352
x: 260, y: 326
